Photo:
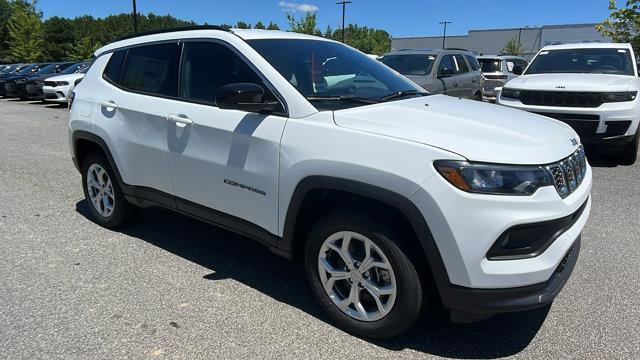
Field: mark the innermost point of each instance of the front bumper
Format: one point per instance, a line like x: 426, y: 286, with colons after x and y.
x: 468, y: 304
x: 34, y: 91
x: 609, y: 125
x: 57, y: 94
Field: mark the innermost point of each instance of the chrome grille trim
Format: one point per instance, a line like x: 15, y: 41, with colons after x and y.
x: 568, y: 173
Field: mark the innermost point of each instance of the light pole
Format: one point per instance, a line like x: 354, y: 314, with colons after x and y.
x: 344, y: 5
x: 135, y: 17
x: 444, y: 34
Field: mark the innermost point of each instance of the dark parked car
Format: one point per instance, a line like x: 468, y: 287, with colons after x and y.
x: 30, y: 87
x: 8, y: 72
x: 13, y: 83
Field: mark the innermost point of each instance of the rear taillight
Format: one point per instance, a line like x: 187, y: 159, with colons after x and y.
x: 72, y: 96
x: 496, y: 77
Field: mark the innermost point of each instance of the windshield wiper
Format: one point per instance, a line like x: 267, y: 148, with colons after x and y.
x: 403, y: 93
x: 345, y: 98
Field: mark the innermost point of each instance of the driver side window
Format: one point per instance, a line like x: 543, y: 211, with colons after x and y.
x: 446, y: 66
x: 207, y: 66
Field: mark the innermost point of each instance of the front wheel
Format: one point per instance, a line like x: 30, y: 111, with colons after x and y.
x: 361, y: 276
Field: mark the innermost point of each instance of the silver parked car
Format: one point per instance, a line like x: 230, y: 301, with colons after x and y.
x: 497, y: 70
x: 454, y: 72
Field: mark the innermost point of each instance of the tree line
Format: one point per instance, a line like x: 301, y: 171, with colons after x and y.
x: 26, y: 37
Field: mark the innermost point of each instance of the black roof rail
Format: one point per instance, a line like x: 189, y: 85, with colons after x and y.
x: 459, y: 49
x: 174, y: 29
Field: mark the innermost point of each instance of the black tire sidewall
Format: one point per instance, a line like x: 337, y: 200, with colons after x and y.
x: 408, y: 302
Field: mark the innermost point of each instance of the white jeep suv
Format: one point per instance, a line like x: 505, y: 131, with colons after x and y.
x: 592, y: 87
x: 391, y: 198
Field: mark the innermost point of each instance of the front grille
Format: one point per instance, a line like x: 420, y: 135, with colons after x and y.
x: 562, y: 98
x: 50, y: 83
x: 567, y: 174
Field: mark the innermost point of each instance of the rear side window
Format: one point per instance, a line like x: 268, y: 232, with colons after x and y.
x: 207, y: 66
x: 152, y: 69
x: 461, y: 64
x: 473, y: 62
x: 114, y: 68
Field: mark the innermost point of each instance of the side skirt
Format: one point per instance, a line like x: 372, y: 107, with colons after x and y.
x: 147, y: 197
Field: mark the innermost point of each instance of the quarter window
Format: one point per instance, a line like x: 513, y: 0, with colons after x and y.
x: 114, y: 67
x: 207, y: 66
x: 461, y: 64
x: 152, y: 69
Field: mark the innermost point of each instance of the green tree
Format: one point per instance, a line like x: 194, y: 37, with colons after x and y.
x: 306, y: 25
x: 623, y: 24
x: 243, y: 25
x: 512, y: 47
x: 259, y: 25
x: 5, y: 15
x: 59, y: 36
x: 83, y: 49
x: 273, y: 26
x: 25, y: 31
x: 365, y: 39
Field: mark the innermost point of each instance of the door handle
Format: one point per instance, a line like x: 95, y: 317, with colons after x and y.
x: 455, y: 84
x: 109, y: 104
x: 180, y: 119
x: 473, y: 81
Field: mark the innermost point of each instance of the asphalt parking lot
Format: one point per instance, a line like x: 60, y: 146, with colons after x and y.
x: 170, y: 287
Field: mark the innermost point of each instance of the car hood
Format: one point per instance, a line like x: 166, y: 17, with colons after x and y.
x: 573, y: 82
x: 69, y: 77
x: 475, y: 130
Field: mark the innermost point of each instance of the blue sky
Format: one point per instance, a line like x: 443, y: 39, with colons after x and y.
x: 399, y: 17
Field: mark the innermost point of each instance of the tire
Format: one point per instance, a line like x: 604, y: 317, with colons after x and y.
x: 477, y: 97
x: 630, y: 152
x: 401, y: 308
x: 105, y: 184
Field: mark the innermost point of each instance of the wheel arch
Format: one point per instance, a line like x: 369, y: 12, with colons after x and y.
x: 84, y: 142
x: 307, y: 186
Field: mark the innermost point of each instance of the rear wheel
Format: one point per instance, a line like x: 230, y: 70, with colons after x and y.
x: 477, y: 97
x: 103, y: 194
x: 630, y: 152
x: 361, y: 276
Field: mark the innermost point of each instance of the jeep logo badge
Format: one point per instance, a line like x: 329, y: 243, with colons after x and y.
x: 574, y: 142
x: 560, y: 87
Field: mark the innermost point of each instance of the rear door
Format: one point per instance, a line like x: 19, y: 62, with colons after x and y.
x: 225, y: 160
x: 131, y: 109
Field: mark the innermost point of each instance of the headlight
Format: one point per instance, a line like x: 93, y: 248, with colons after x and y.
x: 21, y: 81
x: 510, y: 93
x: 62, y: 83
x: 493, y: 178
x: 619, y: 96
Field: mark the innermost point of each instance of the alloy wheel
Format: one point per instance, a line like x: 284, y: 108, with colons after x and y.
x: 100, y: 190
x: 357, y: 276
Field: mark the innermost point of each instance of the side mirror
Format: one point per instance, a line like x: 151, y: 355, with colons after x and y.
x: 444, y: 73
x: 244, y: 97
x: 517, y: 69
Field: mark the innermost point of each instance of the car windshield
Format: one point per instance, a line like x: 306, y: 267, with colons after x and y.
x: 331, y: 74
x: 26, y: 69
x: 47, y: 69
x: 418, y: 65
x: 490, y: 65
x: 74, y: 68
x: 597, y: 61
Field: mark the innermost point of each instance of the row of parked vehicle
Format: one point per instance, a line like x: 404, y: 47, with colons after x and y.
x: 590, y: 87
x: 52, y: 81
x: 456, y: 72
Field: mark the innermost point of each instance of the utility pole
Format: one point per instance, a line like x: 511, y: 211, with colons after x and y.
x: 444, y: 34
x: 344, y: 5
x: 135, y: 17
x: 519, y: 36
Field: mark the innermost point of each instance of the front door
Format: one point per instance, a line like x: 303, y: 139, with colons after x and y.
x: 447, y: 76
x: 222, y: 160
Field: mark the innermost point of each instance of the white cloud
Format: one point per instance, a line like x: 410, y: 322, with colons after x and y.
x: 287, y: 6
